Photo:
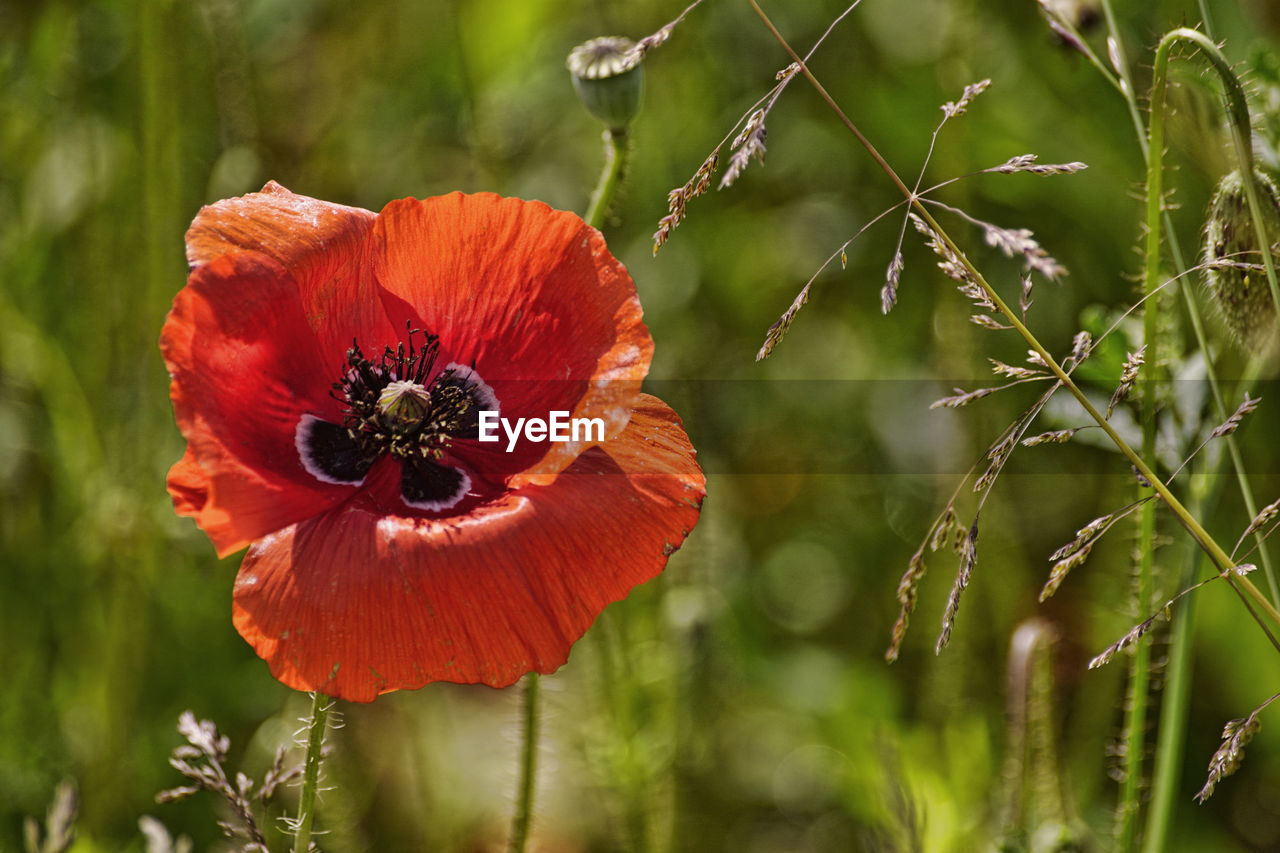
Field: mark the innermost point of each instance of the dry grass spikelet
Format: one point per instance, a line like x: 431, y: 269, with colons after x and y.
x: 780, y: 328
x: 1057, y: 436
x: 679, y: 197
x: 968, y: 559
x: 1235, y: 736
x: 1266, y: 514
x: 749, y: 143
x: 1231, y: 424
x: 1128, y: 376
x: 1062, y: 568
x: 1137, y: 632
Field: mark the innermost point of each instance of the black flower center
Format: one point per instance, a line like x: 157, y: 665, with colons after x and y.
x: 399, y: 405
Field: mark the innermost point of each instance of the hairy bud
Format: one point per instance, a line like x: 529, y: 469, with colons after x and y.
x: 1233, y: 266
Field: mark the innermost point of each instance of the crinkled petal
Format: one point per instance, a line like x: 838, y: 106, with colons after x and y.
x: 245, y: 369
x: 324, y: 246
x: 293, y: 229
x: 355, y: 603
x: 530, y: 297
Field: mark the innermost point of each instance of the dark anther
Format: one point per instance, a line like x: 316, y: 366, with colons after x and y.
x: 395, y: 406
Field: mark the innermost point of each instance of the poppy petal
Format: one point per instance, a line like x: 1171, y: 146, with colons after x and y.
x: 295, y: 230
x: 356, y: 603
x: 245, y: 371
x: 231, y: 502
x: 188, y: 485
x: 324, y: 246
x: 329, y: 453
x: 531, y: 298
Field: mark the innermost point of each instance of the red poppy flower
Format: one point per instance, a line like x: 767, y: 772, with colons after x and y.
x: 330, y: 369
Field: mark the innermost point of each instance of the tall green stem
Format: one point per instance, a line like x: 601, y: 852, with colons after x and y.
x: 1173, y: 713
x: 616, y: 152
x: 320, y: 705
x: 1135, y: 717
x: 1171, y: 732
x: 528, y: 765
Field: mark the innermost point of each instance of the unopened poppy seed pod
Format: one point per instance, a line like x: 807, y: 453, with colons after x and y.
x: 1232, y: 263
x: 608, y: 78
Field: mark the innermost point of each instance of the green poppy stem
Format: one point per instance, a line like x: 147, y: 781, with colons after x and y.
x: 528, y: 766
x: 617, y: 149
x: 320, y: 705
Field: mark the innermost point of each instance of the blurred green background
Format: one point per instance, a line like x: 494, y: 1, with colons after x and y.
x: 749, y: 706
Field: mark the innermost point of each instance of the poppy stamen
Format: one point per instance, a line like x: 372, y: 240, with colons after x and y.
x: 393, y: 407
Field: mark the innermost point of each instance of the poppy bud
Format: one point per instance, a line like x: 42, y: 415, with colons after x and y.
x: 1233, y: 267
x: 608, y: 79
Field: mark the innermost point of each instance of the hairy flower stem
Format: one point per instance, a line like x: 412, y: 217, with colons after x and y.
x: 320, y: 705
x: 1135, y: 707
x: 1172, y: 729
x: 1173, y: 714
x: 528, y: 765
x: 617, y: 150
x: 1222, y: 561
x: 1171, y: 733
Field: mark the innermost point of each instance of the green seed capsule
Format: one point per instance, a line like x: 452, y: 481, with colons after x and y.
x: 608, y: 79
x: 404, y: 406
x: 1233, y: 266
